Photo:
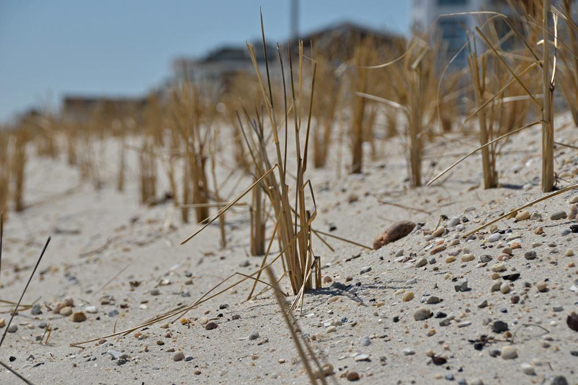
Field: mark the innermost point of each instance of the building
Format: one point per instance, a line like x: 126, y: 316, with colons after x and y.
x: 338, y: 41
x: 453, y: 29
x: 221, y: 63
x: 83, y: 108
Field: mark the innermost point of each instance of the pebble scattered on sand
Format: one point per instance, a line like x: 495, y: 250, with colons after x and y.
x: 66, y: 311
x: 78, y: 317
x: 211, y: 326
x: 407, y: 296
x: 422, y: 314
x: 558, y: 215
x: 509, y: 353
x: 495, y: 237
x: 352, y: 375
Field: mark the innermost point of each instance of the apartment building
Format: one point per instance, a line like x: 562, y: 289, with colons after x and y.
x: 453, y: 30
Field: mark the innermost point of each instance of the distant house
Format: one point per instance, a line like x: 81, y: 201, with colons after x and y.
x: 220, y: 63
x: 82, y: 108
x: 337, y: 41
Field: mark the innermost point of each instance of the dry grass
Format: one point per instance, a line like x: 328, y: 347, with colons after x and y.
x: 273, y: 125
x: 478, y: 66
x: 191, y: 117
x: 4, y: 172
x: 325, y: 111
x: 18, y: 165
x: 360, y: 82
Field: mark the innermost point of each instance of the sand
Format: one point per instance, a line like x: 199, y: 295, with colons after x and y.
x: 101, y: 235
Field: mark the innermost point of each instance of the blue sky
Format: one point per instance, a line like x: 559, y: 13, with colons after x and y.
x: 124, y: 47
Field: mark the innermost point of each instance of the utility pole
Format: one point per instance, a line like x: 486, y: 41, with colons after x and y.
x: 294, y: 19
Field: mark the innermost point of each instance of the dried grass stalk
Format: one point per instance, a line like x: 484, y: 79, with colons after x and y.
x: 548, y: 109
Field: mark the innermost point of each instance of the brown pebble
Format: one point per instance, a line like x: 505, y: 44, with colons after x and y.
x: 437, y: 249
x: 395, y: 232
x: 352, y: 375
x: 211, y: 326
x: 79, y: 317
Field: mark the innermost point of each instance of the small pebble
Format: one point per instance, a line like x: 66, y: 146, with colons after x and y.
x: 558, y: 215
x: 407, y: 296
x: 253, y: 336
x: 352, y: 375
x: 499, y: 267
x: 495, y: 237
x: 422, y: 314
x: 505, y: 288
x: 509, y: 353
x: 542, y: 287
x: 530, y: 255
x: 66, y: 311
x: 528, y: 369
x: 211, y: 326
x: 421, y: 262
x: 500, y: 327
x: 78, y: 317
x: 454, y: 222
x: 522, y: 216
x: 36, y: 309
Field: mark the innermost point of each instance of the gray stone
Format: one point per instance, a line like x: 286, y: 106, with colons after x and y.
x: 500, y: 327
x: 558, y: 215
x: 408, y: 352
x: 464, y: 324
x: 253, y: 336
x: 529, y: 255
x: 485, y: 258
x: 454, y: 221
x: 495, y: 237
x: 421, y: 262
x: 461, y: 285
x: 559, y: 380
x: 366, y: 269
x: 422, y: 314
x: 36, y: 309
